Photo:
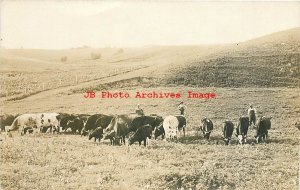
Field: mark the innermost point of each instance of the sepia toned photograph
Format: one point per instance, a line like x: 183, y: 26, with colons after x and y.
x: 149, y: 95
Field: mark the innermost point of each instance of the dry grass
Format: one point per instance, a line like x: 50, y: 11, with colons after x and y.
x: 47, y: 161
x: 71, y: 162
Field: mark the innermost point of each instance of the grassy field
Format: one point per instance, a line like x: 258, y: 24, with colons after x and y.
x: 64, y: 161
x: 71, y: 162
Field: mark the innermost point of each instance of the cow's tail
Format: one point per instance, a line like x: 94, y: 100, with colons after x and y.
x: 14, y: 125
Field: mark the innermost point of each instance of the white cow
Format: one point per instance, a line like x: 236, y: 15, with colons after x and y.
x: 34, y: 121
x: 170, y: 125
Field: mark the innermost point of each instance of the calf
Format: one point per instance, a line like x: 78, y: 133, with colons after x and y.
x: 206, y: 127
x: 264, y: 125
x: 111, y: 135
x: 141, y: 135
x: 227, y: 131
x: 242, y: 129
x: 96, y: 133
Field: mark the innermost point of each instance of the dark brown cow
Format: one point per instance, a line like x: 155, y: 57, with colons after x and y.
x: 137, y: 122
x: 95, y: 121
x: 264, y: 124
x: 141, y: 134
x: 119, y: 126
x: 227, y: 131
x: 5, y: 120
x: 96, y: 134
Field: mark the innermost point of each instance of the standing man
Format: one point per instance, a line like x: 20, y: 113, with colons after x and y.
x: 252, y: 115
x: 139, y: 110
x: 182, y: 108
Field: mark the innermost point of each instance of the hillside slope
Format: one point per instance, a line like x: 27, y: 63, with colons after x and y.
x: 268, y: 61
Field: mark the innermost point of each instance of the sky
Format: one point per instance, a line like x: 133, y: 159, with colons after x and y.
x: 58, y: 24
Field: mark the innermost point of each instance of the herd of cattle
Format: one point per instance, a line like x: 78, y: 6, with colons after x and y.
x: 118, y: 127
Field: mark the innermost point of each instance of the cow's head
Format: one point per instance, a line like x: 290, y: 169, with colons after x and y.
x: 108, y: 135
x: 90, y: 136
x: 130, y: 140
x: 84, y: 132
x: 158, y: 120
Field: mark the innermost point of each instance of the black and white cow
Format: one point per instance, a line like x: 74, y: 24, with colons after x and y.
x: 242, y: 129
x: 206, y: 127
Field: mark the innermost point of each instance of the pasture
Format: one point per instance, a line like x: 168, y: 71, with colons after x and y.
x: 65, y: 161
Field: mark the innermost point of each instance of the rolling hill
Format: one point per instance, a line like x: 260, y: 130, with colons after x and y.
x: 268, y: 61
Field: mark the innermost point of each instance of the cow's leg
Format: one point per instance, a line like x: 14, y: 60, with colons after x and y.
x: 54, y: 129
x: 23, y: 130
x: 112, y: 141
x: 183, y: 131
x: 226, y: 141
x: 240, y: 139
x: 66, y: 128
x: 257, y: 139
x: 263, y: 138
x: 140, y: 143
x: 144, y: 142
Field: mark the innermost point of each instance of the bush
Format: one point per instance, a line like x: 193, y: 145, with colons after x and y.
x: 95, y: 56
x: 64, y: 59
